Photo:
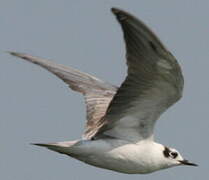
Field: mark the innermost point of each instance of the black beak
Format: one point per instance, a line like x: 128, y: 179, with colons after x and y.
x: 186, y: 162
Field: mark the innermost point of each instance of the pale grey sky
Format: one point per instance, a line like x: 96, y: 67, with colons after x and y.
x: 37, y: 107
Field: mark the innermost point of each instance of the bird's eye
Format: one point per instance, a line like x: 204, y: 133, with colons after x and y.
x: 173, y: 154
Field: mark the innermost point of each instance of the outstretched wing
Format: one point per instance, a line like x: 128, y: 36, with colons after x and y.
x: 97, y: 93
x: 154, y: 82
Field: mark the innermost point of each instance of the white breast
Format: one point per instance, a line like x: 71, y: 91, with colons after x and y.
x: 118, y: 155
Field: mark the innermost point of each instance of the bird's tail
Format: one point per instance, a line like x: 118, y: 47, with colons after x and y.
x: 61, y: 147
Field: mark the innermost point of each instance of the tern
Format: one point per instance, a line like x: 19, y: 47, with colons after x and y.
x: 119, y: 133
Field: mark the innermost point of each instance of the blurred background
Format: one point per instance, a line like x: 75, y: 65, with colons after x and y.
x: 35, y: 106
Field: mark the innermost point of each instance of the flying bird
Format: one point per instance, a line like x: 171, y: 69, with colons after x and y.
x: 119, y: 133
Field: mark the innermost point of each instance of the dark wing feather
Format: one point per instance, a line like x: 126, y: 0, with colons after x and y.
x: 153, y: 84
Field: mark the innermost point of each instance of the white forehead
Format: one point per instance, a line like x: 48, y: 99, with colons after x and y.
x: 173, y: 150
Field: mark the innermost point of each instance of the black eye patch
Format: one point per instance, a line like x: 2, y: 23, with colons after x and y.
x: 166, y: 152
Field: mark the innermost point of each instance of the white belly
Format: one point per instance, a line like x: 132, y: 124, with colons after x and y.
x: 115, y: 155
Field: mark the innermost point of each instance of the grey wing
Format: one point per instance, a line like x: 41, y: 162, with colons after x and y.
x: 97, y: 93
x: 154, y: 82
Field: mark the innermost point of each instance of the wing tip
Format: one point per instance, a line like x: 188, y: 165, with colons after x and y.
x: 115, y: 10
x: 28, y: 58
x: 119, y: 13
x: 21, y: 55
x: 13, y: 53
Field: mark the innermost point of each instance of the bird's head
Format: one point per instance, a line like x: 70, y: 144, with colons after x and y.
x: 173, y: 158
